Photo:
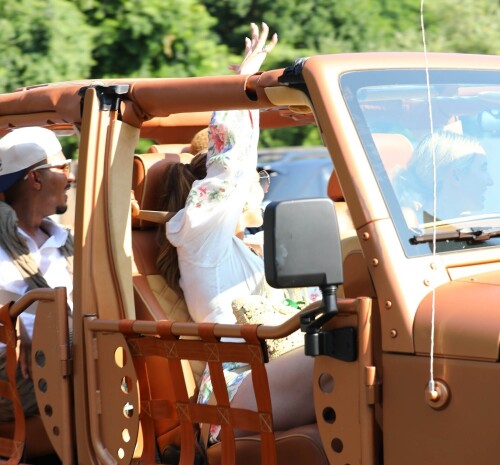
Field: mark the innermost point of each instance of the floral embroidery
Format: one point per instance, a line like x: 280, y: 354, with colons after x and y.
x: 315, y: 295
x: 222, y: 138
x: 219, y: 158
x: 203, y: 194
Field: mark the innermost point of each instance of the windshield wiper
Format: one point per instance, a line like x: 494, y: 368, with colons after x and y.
x: 463, y: 234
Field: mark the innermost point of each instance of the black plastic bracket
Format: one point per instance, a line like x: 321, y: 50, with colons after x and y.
x: 292, y: 75
x: 339, y: 343
x: 109, y: 96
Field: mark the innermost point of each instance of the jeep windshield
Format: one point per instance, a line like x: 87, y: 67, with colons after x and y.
x: 446, y: 179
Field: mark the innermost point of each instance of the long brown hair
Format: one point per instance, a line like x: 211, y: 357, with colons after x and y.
x: 177, y: 182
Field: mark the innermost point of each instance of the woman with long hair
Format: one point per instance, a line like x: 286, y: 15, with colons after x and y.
x: 217, y: 196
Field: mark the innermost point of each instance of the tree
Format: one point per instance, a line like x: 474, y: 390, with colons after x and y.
x: 56, y: 40
x: 154, y: 38
x: 468, y: 26
x: 310, y: 27
x: 42, y: 41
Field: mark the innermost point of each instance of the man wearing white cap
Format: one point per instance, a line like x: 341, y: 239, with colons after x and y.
x: 35, y: 252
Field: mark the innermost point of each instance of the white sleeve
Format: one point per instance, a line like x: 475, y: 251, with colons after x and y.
x: 205, y: 227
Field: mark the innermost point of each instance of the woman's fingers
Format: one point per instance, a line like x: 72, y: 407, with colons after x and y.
x: 256, y: 49
x: 268, y: 47
x: 254, y: 29
x: 262, y: 38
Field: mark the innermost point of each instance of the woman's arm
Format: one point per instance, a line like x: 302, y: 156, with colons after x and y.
x: 215, y: 203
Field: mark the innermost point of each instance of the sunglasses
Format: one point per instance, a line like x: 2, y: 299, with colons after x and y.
x: 264, y: 180
x: 65, y: 167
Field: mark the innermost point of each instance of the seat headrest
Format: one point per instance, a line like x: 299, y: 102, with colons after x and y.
x: 334, y: 189
x: 395, y: 151
x: 147, y: 178
x: 169, y: 148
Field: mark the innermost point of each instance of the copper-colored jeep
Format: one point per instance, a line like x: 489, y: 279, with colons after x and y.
x: 406, y: 339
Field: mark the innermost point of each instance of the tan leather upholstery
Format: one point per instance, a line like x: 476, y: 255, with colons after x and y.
x: 154, y: 300
x: 168, y: 148
x: 146, y: 240
x: 297, y: 446
x: 149, y: 197
x: 334, y: 189
x: 395, y: 150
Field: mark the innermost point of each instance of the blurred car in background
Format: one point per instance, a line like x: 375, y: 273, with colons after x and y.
x: 296, y: 172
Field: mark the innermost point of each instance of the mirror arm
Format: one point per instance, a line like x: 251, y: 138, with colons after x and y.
x: 313, y: 320
x: 340, y: 343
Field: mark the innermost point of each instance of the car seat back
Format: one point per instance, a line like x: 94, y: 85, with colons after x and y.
x: 153, y: 298
x: 395, y: 150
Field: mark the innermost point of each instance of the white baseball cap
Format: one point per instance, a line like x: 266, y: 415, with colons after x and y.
x: 23, y: 148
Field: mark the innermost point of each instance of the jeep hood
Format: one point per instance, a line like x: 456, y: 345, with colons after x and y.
x: 467, y: 319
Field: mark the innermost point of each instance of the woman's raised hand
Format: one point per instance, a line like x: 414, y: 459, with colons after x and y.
x: 256, y: 50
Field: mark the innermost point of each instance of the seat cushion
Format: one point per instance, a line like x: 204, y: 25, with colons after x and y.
x: 298, y: 446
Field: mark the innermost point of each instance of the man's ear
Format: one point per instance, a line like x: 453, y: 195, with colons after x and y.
x: 34, y: 179
x: 455, y: 176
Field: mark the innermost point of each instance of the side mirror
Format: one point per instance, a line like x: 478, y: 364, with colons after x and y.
x: 301, y: 249
x: 302, y: 246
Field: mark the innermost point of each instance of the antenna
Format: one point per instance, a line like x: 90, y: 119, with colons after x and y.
x: 432, y: 391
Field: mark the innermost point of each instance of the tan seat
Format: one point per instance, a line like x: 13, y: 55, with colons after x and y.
x: 169, y: 148
x: 154, y: 301
x: 297, y: 446
x: 145, y: 241
x: 395, y: 150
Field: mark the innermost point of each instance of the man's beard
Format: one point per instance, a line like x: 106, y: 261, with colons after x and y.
x: 61, y: 209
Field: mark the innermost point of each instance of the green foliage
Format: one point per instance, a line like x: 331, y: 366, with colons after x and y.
x: 318, y: 26
x: 55, y: 40
x: 468, y: 26
x: 42, y: 41
x: 153, y: 38
x: 307, y: 136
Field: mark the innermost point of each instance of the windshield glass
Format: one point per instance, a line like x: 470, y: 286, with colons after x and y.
x: 461, y: 153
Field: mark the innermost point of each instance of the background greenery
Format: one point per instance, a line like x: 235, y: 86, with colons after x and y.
x: 58, y: 40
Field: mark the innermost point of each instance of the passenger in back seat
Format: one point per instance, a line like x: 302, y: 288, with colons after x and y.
x: 206, y: 259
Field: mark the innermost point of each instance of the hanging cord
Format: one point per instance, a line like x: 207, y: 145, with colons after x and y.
x: 431, y: 385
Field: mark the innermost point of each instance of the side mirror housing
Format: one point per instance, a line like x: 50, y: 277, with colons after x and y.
x: 302, y: 249
x: 302, y: 244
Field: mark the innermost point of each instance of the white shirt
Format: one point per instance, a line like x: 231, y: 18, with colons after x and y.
x: 215, y: 266
x: 52, y: 264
